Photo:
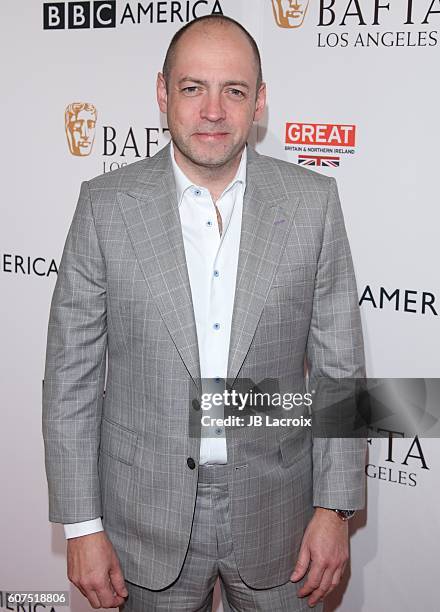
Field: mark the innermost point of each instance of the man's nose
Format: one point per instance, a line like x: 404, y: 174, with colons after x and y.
x: 212, y: 108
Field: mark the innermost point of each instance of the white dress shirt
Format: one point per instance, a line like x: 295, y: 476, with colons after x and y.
x: 212, y: 268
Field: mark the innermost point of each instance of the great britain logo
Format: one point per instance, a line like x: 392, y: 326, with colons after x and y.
x: 320, y: 144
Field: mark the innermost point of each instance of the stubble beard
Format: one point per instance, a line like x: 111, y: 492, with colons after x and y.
x: 204, y: 160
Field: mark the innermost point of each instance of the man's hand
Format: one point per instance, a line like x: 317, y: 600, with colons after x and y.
x: 325, y: 547
x: 92, y: 566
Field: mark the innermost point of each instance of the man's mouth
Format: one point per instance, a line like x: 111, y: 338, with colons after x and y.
x: 211, y: 135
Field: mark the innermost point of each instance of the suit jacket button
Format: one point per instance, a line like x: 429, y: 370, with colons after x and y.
x: 191, y: 463
x: 196, y: 404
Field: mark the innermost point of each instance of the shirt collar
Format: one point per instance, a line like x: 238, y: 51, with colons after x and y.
x: 183, y: 182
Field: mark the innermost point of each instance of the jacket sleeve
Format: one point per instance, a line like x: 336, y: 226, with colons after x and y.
x: 335, y: 351
x: 75, y: 372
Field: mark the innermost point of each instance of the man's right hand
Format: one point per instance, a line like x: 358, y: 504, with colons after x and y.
x: 93, y: 567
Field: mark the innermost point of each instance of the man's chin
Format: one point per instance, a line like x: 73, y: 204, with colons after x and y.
x: 208, y: 154
x: 211, y: 159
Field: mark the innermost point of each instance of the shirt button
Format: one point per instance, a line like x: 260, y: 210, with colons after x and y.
x: 191, y: 463
x: 216, y: 326
x: 209, y: 223
x: 197, y: 192
x: 217, y: 379
x: 196, y: 404
x: 218, y: 431
x: 216, y: 273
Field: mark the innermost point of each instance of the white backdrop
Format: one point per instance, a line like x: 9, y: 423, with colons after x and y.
x: 366, y: 64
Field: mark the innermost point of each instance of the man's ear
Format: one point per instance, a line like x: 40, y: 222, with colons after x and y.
x: 260, y: 103
x: 161, y: 93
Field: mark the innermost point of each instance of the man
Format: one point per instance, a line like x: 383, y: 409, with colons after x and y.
x: 207, y: 261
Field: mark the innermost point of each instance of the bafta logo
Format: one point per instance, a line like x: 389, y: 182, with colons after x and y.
x: 80, y: 122
x: 289, y: 14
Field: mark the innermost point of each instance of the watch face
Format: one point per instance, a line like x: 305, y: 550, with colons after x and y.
x: 346, y: 514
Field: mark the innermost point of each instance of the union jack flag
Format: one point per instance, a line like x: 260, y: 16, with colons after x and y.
x: 318, y: 160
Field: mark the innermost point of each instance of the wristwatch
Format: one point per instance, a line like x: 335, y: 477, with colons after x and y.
x: 344, y: 515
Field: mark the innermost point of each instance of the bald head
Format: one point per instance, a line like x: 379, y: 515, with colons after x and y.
x: 211, y: 25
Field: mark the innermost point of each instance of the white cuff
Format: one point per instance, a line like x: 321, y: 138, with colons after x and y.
x: 73, y: 530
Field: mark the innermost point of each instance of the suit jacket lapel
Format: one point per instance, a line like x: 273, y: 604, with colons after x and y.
x: 150, y: 212
x: 266, y: 222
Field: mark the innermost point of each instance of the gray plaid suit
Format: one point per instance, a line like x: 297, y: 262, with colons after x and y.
x: 123, y: 290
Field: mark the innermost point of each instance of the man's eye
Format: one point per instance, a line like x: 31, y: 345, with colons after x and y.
x: 190, y: 90
x: 237, y: 93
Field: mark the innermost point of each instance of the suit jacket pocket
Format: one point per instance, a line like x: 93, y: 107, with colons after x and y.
x: 118, y: 441
x: 293, y: 447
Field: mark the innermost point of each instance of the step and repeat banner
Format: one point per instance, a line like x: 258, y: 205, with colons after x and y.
x: 353, y: 93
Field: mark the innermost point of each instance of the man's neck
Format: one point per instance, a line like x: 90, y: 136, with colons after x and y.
x: 215, y: 180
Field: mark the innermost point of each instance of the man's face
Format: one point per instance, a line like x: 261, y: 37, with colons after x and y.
x: 211, y: 100
x: 290, y: 14
x: 81, y: 132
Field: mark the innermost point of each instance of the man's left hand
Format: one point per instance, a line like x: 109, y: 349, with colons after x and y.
x: 324, y: 548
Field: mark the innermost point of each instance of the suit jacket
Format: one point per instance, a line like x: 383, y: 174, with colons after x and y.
x: 122, y: 305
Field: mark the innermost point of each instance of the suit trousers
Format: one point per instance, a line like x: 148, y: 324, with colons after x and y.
x: 210, y: 555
